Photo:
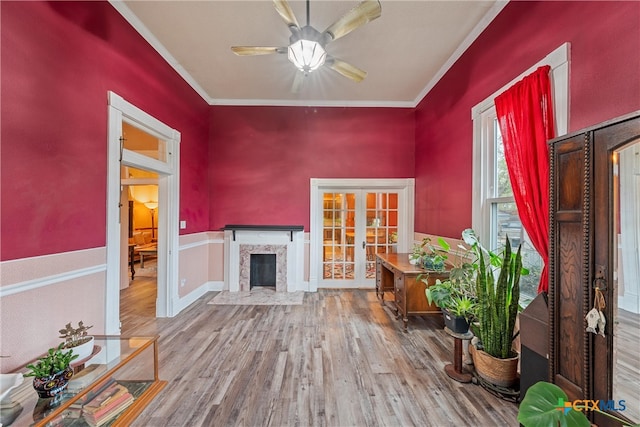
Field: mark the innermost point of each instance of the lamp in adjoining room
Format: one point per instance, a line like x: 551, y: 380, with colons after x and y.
x: 152, y: 206
x: 148, y: 196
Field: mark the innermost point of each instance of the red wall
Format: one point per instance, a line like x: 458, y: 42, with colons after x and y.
x: 262, y: 158
x: 59, y: 59
x: 604, y: 83
x: 253, y: 165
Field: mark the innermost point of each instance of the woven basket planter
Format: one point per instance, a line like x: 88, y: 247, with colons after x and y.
x: 500, y: 372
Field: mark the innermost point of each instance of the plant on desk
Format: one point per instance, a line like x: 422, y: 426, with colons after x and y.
x: 430, y: 256
x: 51, y: 372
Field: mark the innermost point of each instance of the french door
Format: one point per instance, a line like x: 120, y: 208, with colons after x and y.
x: 356, y: 224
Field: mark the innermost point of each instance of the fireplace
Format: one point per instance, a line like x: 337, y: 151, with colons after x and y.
x: 262, y: 270
x: 248, y: 246
x: 279, y: 254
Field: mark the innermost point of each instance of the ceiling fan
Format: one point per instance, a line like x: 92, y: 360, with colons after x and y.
x: 306, y: 49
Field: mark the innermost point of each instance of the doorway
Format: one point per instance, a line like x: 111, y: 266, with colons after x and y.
x: 159, y: 155
x: 352, y: 221
x: 139, y: 278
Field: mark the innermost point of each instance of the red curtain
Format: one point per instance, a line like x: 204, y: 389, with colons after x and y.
x: 525, y: 116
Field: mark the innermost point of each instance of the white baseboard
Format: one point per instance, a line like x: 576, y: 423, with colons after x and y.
x: 216, y: 286
x: 190, y: 298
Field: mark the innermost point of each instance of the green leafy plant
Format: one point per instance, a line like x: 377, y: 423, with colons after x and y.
x: 74, y: 336
x: 51, y: 363
x: 497, y: 298
x: 456, y: 294
x: 444, y: 295
x: 463, y: 306
x: 441, y: 293
x: 540, y: 407
x: 430, y: 256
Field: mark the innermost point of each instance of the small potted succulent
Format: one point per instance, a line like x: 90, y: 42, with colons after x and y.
x: 77, y: 339
x: 51, y: 372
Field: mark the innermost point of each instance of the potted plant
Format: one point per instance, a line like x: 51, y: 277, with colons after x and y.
x: 51, y: 372
x: 457, y: 306
x: 497, y: 308
x: 77, y: 339
x: 456, y: 295
x: 429, y: 256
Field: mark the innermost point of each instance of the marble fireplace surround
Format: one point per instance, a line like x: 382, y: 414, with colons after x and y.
x: 285, y: 241
x: 245, y: 264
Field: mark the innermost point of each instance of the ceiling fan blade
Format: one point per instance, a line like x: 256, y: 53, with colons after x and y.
x: 366, y: 11
x: 283, y: 8
x: 350, y: 71
x: 257, y: 50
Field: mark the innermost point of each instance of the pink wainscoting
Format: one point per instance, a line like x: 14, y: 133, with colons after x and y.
x: 262, y: 158
x: 216, y: 258
x: 31, y: 320
x: 193, y: 272
x: 42, y: 294
x: 201, y: 262
x: 59, y: 59
x: 23, y: 270
x: 605, y: 61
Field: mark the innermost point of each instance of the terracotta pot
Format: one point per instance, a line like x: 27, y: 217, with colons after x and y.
x: 500, y: 372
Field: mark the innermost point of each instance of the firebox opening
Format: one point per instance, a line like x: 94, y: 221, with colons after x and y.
x: 262, y: 271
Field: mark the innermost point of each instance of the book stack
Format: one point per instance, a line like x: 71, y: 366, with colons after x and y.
x: 107, y: 404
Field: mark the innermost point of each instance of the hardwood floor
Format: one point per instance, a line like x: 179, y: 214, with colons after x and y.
x: 626, y: 380
x: 138, y: 302
x: 340, y: 359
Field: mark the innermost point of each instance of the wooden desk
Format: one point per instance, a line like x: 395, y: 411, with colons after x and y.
x: 395, y: 274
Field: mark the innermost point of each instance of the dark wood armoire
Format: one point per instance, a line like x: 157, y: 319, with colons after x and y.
x: 585, y: 254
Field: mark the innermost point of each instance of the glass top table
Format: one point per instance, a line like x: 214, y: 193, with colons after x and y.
x: 126, y: 364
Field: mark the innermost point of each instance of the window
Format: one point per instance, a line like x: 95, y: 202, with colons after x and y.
x: 495, y: 215
x: 498, y: 209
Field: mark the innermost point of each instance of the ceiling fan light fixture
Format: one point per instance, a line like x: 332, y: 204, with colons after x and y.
x: 306, y: 55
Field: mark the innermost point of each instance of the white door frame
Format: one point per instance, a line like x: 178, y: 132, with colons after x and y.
x: 168, y: 171
x: 406, y: 205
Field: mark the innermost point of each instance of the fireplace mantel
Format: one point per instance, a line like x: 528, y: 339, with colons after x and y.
x: 286, y: 241
x: 235, y: 227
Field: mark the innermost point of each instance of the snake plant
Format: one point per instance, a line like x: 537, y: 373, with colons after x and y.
x: 497, y: 305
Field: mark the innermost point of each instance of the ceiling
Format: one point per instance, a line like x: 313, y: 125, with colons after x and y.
x: 405, y: 51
